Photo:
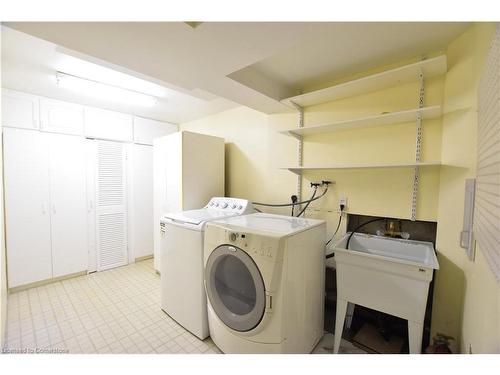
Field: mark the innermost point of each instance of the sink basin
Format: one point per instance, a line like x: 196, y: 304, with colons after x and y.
x: 385, y: 274
x: 392, y: 249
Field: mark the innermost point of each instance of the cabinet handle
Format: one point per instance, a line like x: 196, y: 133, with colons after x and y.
x: 44, y: 211
x: 54, y: 208
x: 91, y: 205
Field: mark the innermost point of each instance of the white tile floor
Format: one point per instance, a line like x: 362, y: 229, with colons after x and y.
x: 115, y: 311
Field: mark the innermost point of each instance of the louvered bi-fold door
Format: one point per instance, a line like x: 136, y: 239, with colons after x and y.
x: 111, y: 205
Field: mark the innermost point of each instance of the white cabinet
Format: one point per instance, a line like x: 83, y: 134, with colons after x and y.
x: 68, y: 204
x: 146, y: 130
x: 61, y: 117
x: 188, y: 171
x: 44, y: 205
x: 103, y: 124
x: 141, y: 200
x: 27, y: 215
x: 19, y: 110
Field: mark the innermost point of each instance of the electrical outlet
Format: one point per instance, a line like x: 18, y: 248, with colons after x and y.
x: 343, y: 201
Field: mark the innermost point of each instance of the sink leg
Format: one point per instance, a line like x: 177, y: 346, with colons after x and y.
x: 415, y: 331
x: 339, y: 324
x: 349, y: 315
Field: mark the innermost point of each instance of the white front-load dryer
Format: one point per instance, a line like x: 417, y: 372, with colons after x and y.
x: 181, y: 268
x: 264, y: 278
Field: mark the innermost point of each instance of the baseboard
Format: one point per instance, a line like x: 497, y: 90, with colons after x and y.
x: 145, y: 257
x: 3, y: 322
x: 46, y: 281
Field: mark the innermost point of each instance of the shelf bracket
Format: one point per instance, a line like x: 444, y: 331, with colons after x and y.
x: 300, y: 146
x: 298, y: 137
x: 298, y: 172
x: 418, y: 146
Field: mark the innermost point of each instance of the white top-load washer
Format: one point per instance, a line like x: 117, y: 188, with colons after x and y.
x: 264, y: 278
x: 182, y: 292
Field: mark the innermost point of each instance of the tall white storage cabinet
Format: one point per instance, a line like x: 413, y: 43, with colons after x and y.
x: 188, y: 171
x: 44, y: 205
x: 75, y: 204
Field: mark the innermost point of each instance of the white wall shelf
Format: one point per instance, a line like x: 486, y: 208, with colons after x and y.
x: 299, y: 170
x: 399, y: 117
x: 389, y: 78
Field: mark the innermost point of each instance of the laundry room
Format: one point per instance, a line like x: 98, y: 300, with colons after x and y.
x: 175, y: 189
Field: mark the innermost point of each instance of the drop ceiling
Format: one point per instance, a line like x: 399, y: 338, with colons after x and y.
x: 215, y: 66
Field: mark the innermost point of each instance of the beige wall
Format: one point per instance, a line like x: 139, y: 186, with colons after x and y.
x: 467, y: 296
x: 255, y: 151
x: 3, y: 276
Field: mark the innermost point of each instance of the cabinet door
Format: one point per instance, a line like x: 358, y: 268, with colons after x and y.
x: 27, y: 221
x: 103, y: 124
x: 141, y: 200
x: 67, y: 204
x: 19, y: 110
x: 146, y: 130
x: 111, y: 205
x: 61, y: 117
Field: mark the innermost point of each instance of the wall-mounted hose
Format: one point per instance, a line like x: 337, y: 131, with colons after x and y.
x: 360, y: 226
x: 310, y: 200
x: 352, y: 233
x: 292, y: 204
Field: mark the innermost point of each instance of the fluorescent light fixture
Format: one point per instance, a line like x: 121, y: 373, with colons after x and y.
x: 104, y: 91
x: 95, y: 72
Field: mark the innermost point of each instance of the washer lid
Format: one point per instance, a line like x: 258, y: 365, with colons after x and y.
x: 196, y: 217
x: 283, y: 225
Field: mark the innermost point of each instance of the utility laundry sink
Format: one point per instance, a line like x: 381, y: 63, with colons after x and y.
x: 385, y: 274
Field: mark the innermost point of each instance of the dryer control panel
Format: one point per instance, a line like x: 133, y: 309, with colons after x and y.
x: 255, y: 245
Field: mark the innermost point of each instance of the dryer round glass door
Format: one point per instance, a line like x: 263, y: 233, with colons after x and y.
x: 235, y: 288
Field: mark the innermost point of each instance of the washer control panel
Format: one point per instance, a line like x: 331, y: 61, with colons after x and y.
x: 236, y: 205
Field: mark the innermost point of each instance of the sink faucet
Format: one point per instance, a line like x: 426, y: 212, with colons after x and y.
x: 393, y: 229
